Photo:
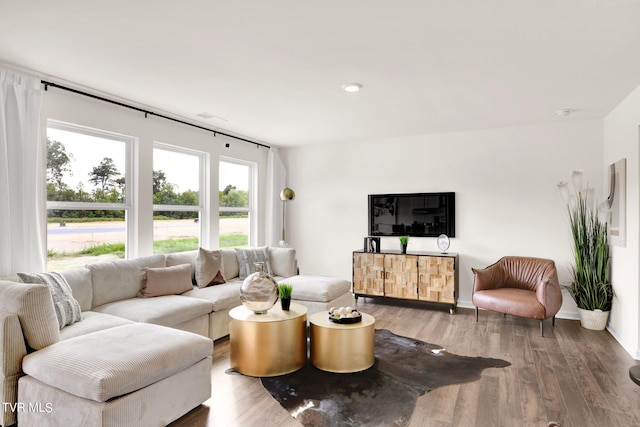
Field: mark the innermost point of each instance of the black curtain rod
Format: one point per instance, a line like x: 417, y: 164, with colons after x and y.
x: 146, y: 112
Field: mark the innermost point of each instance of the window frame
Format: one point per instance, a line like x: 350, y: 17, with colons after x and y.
x: 201, y: 207
x: 128, y: 206
x: 251, y: 210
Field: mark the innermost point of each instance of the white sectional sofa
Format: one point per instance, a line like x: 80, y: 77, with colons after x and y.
x: 130, y: 360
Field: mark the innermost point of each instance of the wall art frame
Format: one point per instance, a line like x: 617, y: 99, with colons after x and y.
x: 617, y: 202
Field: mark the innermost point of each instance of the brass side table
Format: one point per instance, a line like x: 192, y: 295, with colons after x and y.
x: 341, y: 348
x: 266, y: 345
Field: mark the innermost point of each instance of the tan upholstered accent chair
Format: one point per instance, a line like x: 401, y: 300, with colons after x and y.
x: 520, y: 286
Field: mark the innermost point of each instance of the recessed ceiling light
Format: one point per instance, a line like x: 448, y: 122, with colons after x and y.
x: 351, y: 87
x: 565, y: 112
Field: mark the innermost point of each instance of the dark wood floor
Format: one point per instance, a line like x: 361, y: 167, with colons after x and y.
x: 572, y: 375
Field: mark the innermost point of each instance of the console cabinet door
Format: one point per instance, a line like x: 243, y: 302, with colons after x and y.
x: 401, y: 276
x: 368, y: 273
x: 436, y: 279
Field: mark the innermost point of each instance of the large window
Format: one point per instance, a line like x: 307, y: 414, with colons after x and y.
x: 178, y: 181
x: 88, y: 199
x: 237, y: 204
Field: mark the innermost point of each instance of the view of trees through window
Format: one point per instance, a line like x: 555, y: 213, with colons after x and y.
x: 86, y: 196
x: 235, y: 204
x: 107, y: 182
x: 88, y: 199
x: 177, y: 179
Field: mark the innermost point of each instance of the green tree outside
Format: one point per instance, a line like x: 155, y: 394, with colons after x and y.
x: 58, y: 161
x: 234, y: 198
x: 104, y: 174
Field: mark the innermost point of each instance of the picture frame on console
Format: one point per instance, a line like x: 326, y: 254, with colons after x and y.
x: 372, y: 244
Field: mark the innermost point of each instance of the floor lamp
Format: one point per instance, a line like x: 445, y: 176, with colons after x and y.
x: 286, y: 195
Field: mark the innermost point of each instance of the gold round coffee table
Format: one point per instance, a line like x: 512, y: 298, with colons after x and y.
x: 266, y: 345
x: 341, y: 348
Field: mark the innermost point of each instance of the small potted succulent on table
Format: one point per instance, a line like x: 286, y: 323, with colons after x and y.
x: 284, y: 292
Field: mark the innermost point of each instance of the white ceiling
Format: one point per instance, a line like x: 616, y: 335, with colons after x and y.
x: 272, y: 71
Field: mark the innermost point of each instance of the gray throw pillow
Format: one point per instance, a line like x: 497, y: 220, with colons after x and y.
x: 67, y: 307
x: 248, y: 257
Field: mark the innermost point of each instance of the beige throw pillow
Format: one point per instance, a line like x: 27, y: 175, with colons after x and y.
x: 209, y: 268
x: 165, y: 280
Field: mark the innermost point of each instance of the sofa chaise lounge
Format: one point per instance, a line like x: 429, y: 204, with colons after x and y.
x: 118, y: 333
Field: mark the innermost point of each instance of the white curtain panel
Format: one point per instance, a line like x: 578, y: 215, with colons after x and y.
x: 22, y: 175
x: 276, y: 181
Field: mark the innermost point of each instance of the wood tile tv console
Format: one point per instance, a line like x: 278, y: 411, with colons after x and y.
x: 419, y: 276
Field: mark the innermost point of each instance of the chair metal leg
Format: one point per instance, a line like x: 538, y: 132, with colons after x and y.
x: 541, y: 328
x: 476, y: 314
x: 553, y: 321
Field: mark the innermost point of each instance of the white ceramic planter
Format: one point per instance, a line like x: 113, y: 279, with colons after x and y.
x: 593, y: 319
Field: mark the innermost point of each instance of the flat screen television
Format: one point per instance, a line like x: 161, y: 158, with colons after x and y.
x: 416, y: 214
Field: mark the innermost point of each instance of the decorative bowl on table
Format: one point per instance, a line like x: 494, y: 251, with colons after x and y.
x: 344, y: 315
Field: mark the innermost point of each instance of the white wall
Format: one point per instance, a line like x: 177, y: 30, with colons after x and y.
x: 81, y: 110
x: 505, y: 181
x: 621, y: 139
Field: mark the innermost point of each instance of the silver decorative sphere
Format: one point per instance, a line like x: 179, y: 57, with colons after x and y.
x: 259, y: 292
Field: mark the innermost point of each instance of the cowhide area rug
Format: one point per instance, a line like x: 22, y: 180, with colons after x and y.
x: 383, y: 395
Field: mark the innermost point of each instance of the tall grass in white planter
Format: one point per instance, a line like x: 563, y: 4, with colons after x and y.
x: 590, y: 285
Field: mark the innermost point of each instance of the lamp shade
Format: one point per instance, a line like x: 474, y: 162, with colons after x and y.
x: 287, y: 194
